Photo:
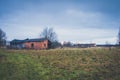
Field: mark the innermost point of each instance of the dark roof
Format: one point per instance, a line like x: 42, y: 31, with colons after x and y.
x: 109, y: 45
x: 36, y: 40
x: 27, y: 40
x: 17, y: 41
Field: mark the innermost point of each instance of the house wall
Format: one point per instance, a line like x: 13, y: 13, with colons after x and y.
x: 36, y: 45
x: 17, y: 46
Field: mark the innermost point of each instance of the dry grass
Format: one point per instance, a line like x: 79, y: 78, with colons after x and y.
x: 60, y: 64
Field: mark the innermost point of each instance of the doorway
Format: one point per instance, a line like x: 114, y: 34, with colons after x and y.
x: 32, y: 45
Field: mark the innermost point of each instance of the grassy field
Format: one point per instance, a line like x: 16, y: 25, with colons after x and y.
x: 60, y: 64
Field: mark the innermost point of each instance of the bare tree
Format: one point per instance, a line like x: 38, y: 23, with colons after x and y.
x: 51, y: 35
x: 2, y: 38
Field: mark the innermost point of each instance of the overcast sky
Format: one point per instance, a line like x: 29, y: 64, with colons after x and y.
x: 81, y: 21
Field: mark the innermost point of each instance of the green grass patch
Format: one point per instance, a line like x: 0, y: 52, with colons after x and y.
x: 60, y: 64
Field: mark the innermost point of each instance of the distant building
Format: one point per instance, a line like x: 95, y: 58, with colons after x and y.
x: 78, y: 45
x: 85, y: 45
x: 104, y: 45
x: 41, y: 43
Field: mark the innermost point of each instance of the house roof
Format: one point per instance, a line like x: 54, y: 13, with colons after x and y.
x: 35, y: 40
x: 28, y: 40
x: 16, y: 41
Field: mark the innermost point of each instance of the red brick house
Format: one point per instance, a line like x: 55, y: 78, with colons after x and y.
x: 40, y: 43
